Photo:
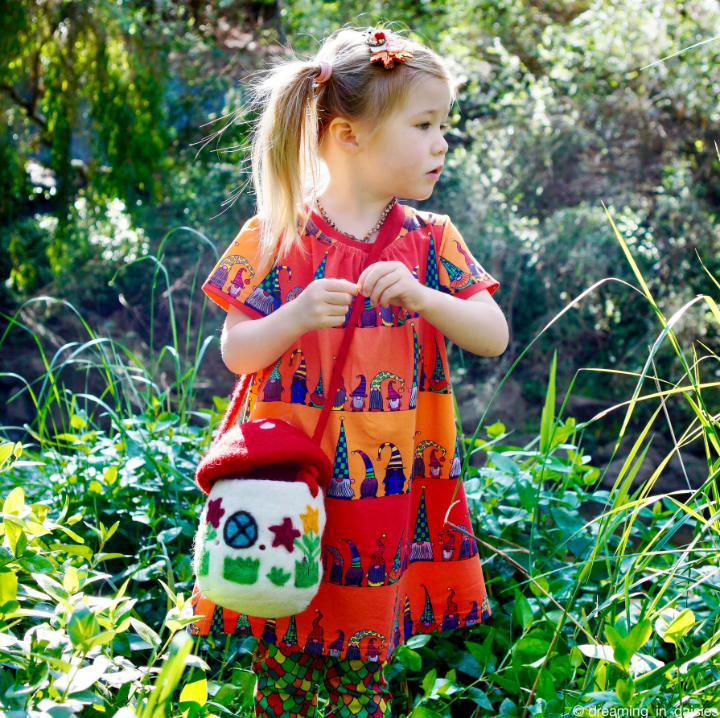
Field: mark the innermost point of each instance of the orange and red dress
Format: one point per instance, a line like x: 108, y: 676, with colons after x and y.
x: 391, y: 569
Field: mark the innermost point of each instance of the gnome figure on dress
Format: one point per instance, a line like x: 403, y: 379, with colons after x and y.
x: 258, y: 548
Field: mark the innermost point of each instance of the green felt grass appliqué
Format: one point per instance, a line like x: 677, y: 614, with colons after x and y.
x: 307, y: 573
x: 241, y: 570
x: 278, y: 576
x: 210, y: 535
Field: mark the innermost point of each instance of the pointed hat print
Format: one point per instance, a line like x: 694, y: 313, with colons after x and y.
x: 392, y: 394
x: 453, y: 271
x: 301, y: 371
x: 431, y: 279
x: 422, y: 532
x: 427, y: 615
x: 395, y: 457
x: 456, y: 464
x: 275, y: 373
x: 217, y: 625
x: 337, y: 644
x: 360, y: 388
x: 439, y: 372
x: 340, y: 465
x: 320, y: 271
x: 354, y: 553
x: 268, y: 284
x: 369, y: 468
x: 398, y: 554
x: 290, y: 637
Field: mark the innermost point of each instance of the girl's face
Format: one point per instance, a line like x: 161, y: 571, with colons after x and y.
x: 405, y: 156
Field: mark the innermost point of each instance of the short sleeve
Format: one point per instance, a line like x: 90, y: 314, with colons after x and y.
x: 238, y: 278
x: 460, y: 274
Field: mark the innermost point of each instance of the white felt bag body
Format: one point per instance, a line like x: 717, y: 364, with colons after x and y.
x: 258, y: 548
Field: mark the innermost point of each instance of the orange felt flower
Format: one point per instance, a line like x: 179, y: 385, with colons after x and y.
x: 386, y: 48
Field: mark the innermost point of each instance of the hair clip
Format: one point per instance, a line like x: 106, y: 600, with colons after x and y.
x: 386, y: 47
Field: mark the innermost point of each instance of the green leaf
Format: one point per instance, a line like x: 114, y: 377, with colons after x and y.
x: 6, y: 451
x: 100, y: 640
x: 548, y: 413
x: 65, y: 530
x: 70, y: 581
x: 495, y: 430
x: 84, y: 551
x: 532, y: 646
x: 195, y: 692
x: 35, y: 529
x: 546, y: 686
x: 429, y: 682
x: 169, y: 676
x: 679, y: 626
x: 82, y: 626
x: 70, y: 438
x: 624, y: 648
x: 15, y: 501
x: 479, y: 698
x: 423, y: 712
x: 77, y: 422
x: 409, y: 658
x: 246, y: 682
x: 145, y: 632
x: 8, y: 586
x: 522, y: 612
x: 537, y: 583
x: 624, y: 690
x: 478, y: 651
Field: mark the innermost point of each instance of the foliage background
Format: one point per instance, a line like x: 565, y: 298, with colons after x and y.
x: 107, y: 378
x: 102, y: 102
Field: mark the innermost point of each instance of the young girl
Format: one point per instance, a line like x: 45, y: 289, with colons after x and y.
x: 372, y: 107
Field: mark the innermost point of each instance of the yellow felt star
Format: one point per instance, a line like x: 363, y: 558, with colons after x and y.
x: 310, y: 520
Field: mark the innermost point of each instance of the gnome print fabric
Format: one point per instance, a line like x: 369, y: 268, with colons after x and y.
x: 391, y: 568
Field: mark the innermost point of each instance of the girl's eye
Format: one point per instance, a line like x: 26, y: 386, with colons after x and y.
x: 444, y: 126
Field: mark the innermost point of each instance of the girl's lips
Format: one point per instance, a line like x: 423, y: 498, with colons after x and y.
x: 435, y: 173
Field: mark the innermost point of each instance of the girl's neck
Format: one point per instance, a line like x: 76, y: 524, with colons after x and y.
x: 353, y: 211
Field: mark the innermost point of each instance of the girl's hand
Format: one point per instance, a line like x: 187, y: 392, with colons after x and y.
x: 389, y: 283
x: 323, y: 303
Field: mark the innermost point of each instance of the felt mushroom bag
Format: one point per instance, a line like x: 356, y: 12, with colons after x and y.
x: 258, y: 549
x: 259, y: 544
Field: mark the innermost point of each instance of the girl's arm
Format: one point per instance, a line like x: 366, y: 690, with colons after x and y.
x: 475, y: 324
x: 249, y: 345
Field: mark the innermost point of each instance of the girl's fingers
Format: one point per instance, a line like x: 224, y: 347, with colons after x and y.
x: 340, y: 285
x: 340, y: 298
x: 381, y: 287
x: 374, y: 274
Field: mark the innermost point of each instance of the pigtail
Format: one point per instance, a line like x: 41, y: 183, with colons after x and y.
x: 284, y: 151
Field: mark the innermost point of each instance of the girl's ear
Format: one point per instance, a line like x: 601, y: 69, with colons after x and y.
x: 344, y: 134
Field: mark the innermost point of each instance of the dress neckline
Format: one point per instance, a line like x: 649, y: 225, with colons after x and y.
x: 392, y: 225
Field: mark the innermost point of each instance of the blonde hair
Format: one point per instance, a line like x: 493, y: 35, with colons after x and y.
x: 293, y: 113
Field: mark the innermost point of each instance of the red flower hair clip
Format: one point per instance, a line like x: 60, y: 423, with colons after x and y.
x: 386, y: 47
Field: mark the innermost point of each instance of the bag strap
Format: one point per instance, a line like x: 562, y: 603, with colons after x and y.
x: 243, y: 385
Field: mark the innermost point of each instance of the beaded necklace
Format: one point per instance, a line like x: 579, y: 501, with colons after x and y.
x: 384, y: 214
